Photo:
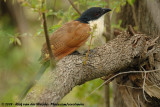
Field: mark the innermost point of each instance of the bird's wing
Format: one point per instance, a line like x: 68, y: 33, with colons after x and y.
x: 67, y: 39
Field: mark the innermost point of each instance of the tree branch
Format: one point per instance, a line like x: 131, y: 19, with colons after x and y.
x: 71, y: 2
x: 118, y: 54
x: 46, y: 35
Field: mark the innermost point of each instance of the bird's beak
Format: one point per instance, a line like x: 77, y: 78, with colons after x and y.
x: 105, y: 10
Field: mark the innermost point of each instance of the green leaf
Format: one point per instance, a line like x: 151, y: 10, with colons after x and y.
x: 50, y: 12
x: 18, y: 41
x: 11, y: 40
x: 53, y: 28
x: 131, y: 2
x: 38, y: 32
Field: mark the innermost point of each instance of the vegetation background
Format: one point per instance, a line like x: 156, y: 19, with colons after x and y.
x: 22, y: 36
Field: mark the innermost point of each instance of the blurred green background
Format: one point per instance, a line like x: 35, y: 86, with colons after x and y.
x: 21, y: 39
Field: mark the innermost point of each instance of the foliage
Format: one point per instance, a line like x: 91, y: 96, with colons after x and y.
x: 131, y: 2
x: 93, y: 100
x: 12, y: 62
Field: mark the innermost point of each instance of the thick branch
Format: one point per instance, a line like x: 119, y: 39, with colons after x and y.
x: 116, y: 55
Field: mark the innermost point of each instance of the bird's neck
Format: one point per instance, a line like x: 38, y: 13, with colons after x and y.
x: 99, y: 23
x: 82, y: 20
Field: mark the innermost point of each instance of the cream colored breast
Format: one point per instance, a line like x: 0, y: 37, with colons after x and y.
x: 98, y: 39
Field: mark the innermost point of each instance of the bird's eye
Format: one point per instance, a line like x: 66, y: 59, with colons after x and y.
x: 96, y: 14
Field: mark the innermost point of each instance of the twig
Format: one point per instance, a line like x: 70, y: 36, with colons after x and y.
x: 71, y: 2
x: 144, y: 81
x: 46, y: 35
x: 138, y: 101
x: 112, y: 13
x: 90, y: 43
x: 88, y: 50
x: 131, y: 30
x: 128, y: 72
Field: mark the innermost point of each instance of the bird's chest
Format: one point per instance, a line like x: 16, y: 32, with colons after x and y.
x: 96, y: 35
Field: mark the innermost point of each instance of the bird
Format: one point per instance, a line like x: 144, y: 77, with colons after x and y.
x: 74, y: 36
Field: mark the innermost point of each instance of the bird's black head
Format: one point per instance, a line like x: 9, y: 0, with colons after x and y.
x: 92, y: 14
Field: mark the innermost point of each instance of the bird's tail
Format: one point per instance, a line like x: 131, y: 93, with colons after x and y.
x: 43, y: 68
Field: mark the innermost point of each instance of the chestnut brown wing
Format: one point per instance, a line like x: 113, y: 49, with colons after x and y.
x: 67, y: 39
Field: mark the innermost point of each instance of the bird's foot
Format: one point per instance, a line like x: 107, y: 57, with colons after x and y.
x: 75, y: 53
x: 90, y: 51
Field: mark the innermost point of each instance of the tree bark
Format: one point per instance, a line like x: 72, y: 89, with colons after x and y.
x: 115, y: 56
x: 147, y: 15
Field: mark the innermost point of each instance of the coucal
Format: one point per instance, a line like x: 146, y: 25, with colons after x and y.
x: 73, y: 36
